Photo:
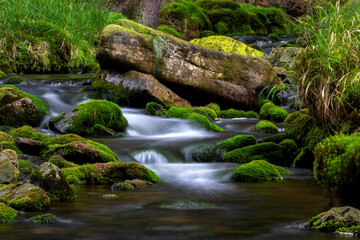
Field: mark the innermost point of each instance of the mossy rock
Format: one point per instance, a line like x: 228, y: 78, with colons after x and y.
x: 227, y: 44
x: 208, y: 153
x: 155, y: 109
x: 169, y: 30
x: 215, y: 107
x: 266, y: 127
x: 25, y: 165
x: 97, y: 117
x: 252, y: 114
x: 18, y: 108
x: 78, y: 150
x: 269, y: 111
x: 207, y: 112
x: 338, y: 219
x: 289, y: 149
x: 7, y: 214
x: 185, y: 113
x: 122, y: 186
x: 15, y: 80
x: 49, y: 177
x: 9, y: 173
x: 25, y: 197
x: 270, y: 152
x: 304, y: 158
x: 237, y: 142
x: 232, y: 113
x: 110, y: 173
x: 44, y: 218
x: 110, y: 196
x: 276, y: 138
x: 258, y: 171
x: 302, y: 128
x: 274, y: 37
x: 61, y: 162
x: 29, y: 133
x: 5, y: 67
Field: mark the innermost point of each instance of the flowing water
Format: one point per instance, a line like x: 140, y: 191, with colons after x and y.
x: 264, y: 42
x: 194, y: 200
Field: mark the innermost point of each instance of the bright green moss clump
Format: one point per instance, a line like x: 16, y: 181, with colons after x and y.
x: 237, y: 142
x: 233, y: 113
x: 266, y: 127
x: 258, y: 171
x: 79, y: 150
x: 227, y: 44
x: 184, y: 113
x: 269, y: 111
x: 94, y: 118
x: 29, y: 133
x: 7, y: 214
x: 25, y: 165
x: 337, y: 164
x: 109, y: 173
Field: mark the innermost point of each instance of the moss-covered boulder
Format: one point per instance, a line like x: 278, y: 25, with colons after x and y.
x: 61, y: 162
x: 269, y: 111
x: 227, y: 44
x: 97, y: 117
x: 11, y: 156
x: 122, y: 186
x: 259, y: 171
x: 109, y: 173
x: 135, y: 89
x: 266, y: 127
x: 7, y: 214
x: 25, y: 197
x: 49, y: 177
x: 238, y: 141
x: 232, y: 113
x: 269, y: 151
x: 338, y: 219
x: 337, y: 165
x: 44, y: 218
x: 9, y: 172
x: 191, y: 114
x: 191, y: 71
x: 19, y: 108
x: 155, y: 109
x: 301, y: 127
x: 208, y: 153
x: 29, y: 133
x: 78, y: 150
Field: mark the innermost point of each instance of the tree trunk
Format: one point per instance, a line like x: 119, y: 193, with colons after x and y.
x: 145, y: 12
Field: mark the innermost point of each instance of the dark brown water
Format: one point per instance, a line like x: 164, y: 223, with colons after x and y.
x: 194, y: 201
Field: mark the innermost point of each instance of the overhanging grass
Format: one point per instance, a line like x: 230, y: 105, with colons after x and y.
x: 81, y: 20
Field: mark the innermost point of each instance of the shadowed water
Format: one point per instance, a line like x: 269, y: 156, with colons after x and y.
x: 193, y: 201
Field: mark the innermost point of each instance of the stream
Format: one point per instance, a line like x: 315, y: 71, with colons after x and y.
x: 193, y: 201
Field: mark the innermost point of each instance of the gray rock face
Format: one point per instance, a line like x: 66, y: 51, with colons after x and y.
x: 285, y: 56
x: 205, y: 72
x: 9, y: 172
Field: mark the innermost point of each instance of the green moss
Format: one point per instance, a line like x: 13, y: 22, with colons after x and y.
x: 44, y: 218
x: 256, y: 171
x: 91, y: 68
x: 169, y: 30
x: 4, y: 137
x: 110, y: 196
x: 15, y: 80
x: 122, y: 186
x: 29, y: 133
x: 289, y: 149
x: 61, y: 162
x: 155, y: 109
x: 5, y: 67
x: 252, y: 114
x: 94, y: 114
x: 227, y: 44
x: 25, y: 165
x: 74, y: 148
x: 109, y: 173
x: 7, y: 214
x: 215, y: 107
x: 2, y: 74
x: 206, y: 33
x: 266, y: 127
x: 304, y: 159
x: 274, y: 37
x: 208, y: 153
x: 237, y: 142
x: 270, y: 152
x: 233, y: 113
x: 207, y: 112
x: 185, y: 113
x: 271, y: 112
x: 337, y: 164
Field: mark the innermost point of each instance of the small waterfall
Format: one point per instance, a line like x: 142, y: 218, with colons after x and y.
x: 150, y: 157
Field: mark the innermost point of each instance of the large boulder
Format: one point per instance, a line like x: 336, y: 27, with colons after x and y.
x: 9, y: 172
x: 190, y: 70
x: 135, y: 89
x: 78, y: 150
x: 94, y: 118
x: 49, y: 177
x: 25, y: 197
x: 18, y: 108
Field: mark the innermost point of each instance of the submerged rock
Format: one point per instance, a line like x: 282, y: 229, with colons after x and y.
x: 122, y: 186
x: 135, y: 89
x: 49, y: 177
x: 25, y: 197
x: 44, y: 218
x: 338, y: 219
x: 78, y: 150
x: 18, y: 108
x: 137, y: 183
x: 204, y: 74
x: 94, y: 118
